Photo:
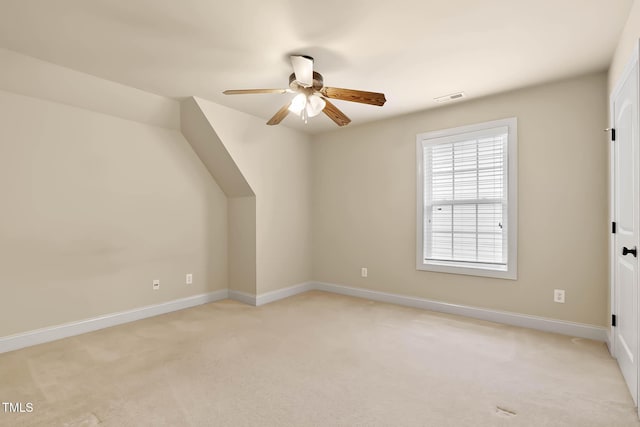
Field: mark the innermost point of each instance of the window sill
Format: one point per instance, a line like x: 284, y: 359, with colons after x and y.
x: 499, y: 272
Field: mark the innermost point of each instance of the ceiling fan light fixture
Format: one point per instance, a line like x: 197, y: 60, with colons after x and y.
x: 315, y: 105
x: 306, y: 106
x: 298, y: 103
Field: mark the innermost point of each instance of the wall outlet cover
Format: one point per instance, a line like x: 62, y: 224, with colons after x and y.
x: 558, y: 296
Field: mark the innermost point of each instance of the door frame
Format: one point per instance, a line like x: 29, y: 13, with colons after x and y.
x: 611, y: 338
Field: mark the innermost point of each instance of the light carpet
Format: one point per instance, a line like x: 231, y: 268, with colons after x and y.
x: 315, y: 359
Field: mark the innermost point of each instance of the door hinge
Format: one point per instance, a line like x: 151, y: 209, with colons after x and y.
x: 613, y: 227
x: 613, y: 133
x: 613, y: 320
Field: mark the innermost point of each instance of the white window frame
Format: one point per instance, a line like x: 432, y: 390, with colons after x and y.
x: 510, y: 271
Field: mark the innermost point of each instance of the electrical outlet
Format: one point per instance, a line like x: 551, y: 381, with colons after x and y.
x: 189, y: 279
x: 156, y: 284
x: 558, y: 295
x: 364, y: 272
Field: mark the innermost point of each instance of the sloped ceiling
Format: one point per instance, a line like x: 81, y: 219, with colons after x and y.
x: 412, y: 50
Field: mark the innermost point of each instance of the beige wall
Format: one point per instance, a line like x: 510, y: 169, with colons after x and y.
x: 364, y: 203
x: 98, y: 202
x: 627, y: 44
x: 103, y: 194
x: 276, y: 163
x: 241, y: 213
x: 94, y: 207
x: 241, y: 201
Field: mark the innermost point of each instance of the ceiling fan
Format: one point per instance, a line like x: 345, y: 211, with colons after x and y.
x: 312, y: 96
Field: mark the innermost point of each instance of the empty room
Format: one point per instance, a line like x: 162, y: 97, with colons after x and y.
x: 338, y: 213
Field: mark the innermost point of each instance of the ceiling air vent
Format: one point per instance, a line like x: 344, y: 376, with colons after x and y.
x: 450, y: 97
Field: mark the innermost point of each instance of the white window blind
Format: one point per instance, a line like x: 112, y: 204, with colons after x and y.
x: 465, y: 198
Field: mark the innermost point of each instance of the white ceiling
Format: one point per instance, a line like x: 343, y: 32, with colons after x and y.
x: 412, y: 50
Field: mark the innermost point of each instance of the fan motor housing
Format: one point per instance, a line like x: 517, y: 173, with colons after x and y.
x: 318, y: 82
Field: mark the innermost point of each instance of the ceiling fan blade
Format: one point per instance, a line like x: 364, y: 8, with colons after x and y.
x: 335, y: 114
x: 303, y: 69
x: 246, y: 91
x: 279, y: 116
x: 372, y: 98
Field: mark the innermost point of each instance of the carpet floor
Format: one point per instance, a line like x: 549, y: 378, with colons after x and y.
x: 315, y: 359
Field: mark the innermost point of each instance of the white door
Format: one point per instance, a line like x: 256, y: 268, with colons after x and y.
x: 625, y: 241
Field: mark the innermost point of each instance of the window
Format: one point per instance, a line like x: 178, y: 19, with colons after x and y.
x: 467, y: 200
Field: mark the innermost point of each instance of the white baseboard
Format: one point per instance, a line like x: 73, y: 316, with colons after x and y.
x: 573, y: 329
x: 52, y: 333
x: 271, y: 296
x: 267, y: 297
x: 39, y: 336
x: 242, y: 297
x: 610, y: 343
